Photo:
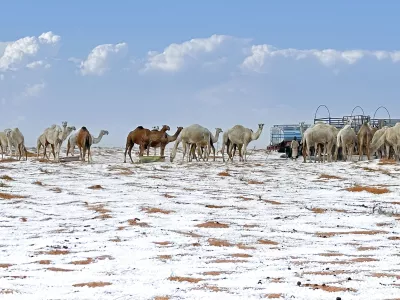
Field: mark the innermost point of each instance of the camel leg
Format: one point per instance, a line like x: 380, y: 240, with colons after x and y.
x: 130, y: 152
x: 244, y: 152
x: 230, y: 146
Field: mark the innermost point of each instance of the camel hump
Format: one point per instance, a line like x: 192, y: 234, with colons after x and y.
x: 84, y: 128
x: 140, y: 127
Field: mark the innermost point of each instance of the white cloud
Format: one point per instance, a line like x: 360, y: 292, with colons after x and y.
x: 37, y: 64
x: 328, y: 57
x: 101, y: 57
x: 16, y: 53
x: 173, y: 57
x: 34, y: 90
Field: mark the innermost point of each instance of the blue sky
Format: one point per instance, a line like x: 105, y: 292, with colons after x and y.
x: 116, y: 66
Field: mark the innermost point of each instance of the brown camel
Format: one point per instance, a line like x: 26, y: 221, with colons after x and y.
x: 364, y: 137
x: 166, y: 139
x: 153, y: 139
x: 135, y: 137
x: 84, y: 141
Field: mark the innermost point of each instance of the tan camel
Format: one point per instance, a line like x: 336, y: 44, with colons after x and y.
x: 391, y: 137
x: 201, y: 146
x: 153, y: 138
x: 383, y: 150
x: 135, y: 137
x: 364, y: 137
x: 84, y: 141
x: 16, y: 139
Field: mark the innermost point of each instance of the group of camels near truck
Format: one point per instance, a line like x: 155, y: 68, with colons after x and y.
x: 321, y: 137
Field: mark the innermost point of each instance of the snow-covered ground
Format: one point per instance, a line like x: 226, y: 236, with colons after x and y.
x: 273, y: 228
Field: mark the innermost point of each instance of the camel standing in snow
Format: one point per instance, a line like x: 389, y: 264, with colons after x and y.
x: 48, y: 137
x: 72, y: 140
x: 84, y: 141
x: 390, y: 137
x: 16, y: 140
x: 214, y: 139
x: 320, y: 133
x: 364, y: 137
x: 382, y: 151
x: 240, y: 136
x: 347, y: 139
x: 3, y: 143
x: 193, y: 134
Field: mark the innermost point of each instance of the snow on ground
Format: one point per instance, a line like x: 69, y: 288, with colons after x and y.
x: 273, y: 228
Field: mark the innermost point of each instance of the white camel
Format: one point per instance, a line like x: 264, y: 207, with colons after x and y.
x: 72, y: 140
x: 65, y: 132
x: 347, y: 139
x: 384, y: 150
x: 193, y: 134
x: 391, y: 137
x: 16, y: 140
x: 214, y: 139
x: 240, y: 136
x: 319, y: 133
x: 3, y: 143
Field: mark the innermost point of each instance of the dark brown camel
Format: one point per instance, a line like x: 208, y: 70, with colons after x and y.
x: 135, y: 137
x: 84, y: 141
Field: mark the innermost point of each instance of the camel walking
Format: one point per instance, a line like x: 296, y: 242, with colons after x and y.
x: 63, y: 134
x: 165, y: 140
x: 135, y: 137
x: 364, y: 137
x: 17, y: 140
x: 84, y: 142
x: 72, y: 140
x: 154, y: 138
x: 240, y: 136
x: 193, y: 134
x: 319, y: 133
x: 384, y: 149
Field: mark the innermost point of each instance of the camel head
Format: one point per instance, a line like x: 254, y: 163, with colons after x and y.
x: 71, y: 128
x: 104, y: 132
x: 218, y: 130
x: 179, y: 129
x: 260, y: 126
x: 165, y: 128
x: 64, y: 124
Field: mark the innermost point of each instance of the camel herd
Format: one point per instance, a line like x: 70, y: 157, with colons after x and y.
x: 369, y: 139
x: 194, y: 137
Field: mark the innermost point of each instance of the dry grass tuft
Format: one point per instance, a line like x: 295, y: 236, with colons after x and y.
x: 44, y: 262
x: 394, y: 238
x: 154, y: 210
x: 385, y: 161
x: 38, y: 183
x: 166, y: 243
x: 364, y: 259
x: 168, y: 196
x: 273, y: 296
x: 10, y: 196
x: 23, y: 219
x: 255, y: 182
x: 213, y: 273
x: 116, y: 240
x: 380, y: 275
x: 192, y: 234
x: 330, y: 254
x: 318, y: 210
x: 242, y: 255
x: 245, y: 198
x: 326, y: 176
x: 369, y: 189
x: 212, y: 224
x: 133, y: 222
x: 328, y: 288
x: 228, y: 261
x: 267, y: 242
x: 59, y: 270
x: 96, y: 187
x: 6, y: 177
x: 6, y: 160
x: 184, y: 279
x: 366, y: 232
x: 55, y: 252
x: 92, y: 284
x: 245, y: 247
x: 161, y: 298
x: 82, y: 262
x: 56, y: 190
x: 225, y: 174
x: 272, y: 202
x: 164, y: 257
x: 367, y: 248
x: 219, y: 243
x: 215, y: 206
x: 5, y: 266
